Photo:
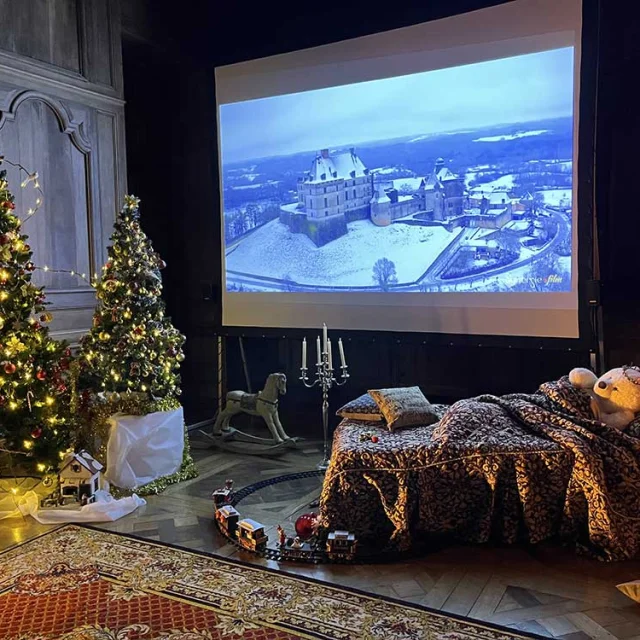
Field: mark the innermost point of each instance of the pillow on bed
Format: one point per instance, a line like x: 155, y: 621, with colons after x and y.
x: 404, y: 407
x: 362, y: 408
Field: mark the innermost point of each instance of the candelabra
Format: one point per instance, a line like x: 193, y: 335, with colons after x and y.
x: 325, y: 380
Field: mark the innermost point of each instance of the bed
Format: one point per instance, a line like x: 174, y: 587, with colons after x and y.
x: 517, y: 467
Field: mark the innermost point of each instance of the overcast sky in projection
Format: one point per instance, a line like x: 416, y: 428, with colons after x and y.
x: 510, y: 90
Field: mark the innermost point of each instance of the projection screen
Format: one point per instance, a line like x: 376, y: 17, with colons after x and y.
x: 421, y: 179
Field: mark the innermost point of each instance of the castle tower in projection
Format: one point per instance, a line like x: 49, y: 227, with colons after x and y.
x: 442, y: 193
x: 380, y: 206
x: 336, y: 190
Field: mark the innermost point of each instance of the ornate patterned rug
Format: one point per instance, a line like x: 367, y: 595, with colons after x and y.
x: 81, y: 583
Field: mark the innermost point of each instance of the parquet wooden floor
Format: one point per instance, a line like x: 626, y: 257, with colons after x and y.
x: 547, y: 589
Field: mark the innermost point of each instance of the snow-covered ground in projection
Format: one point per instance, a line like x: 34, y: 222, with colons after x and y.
x: 557, y: 197
x: 273, y: 251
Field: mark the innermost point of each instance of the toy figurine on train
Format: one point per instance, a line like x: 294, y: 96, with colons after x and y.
x: 296, y: 549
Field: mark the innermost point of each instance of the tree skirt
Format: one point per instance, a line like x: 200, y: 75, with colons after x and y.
x: 77, y: 582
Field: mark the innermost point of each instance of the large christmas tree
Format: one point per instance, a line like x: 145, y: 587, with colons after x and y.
x: 132, y: 345
x: 33, y: 386
x: 132, y: 352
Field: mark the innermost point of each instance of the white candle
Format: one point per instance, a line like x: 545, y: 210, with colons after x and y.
x: 324, y: 337
x: 343, y: 362
x: 329, y: 352
x: 304, y: 353
x: 318, y: 350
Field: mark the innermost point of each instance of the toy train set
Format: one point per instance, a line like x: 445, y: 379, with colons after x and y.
x: 339, y: 546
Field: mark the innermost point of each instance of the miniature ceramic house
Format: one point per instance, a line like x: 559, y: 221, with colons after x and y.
x: 79, y: 477
x: 341, y: 545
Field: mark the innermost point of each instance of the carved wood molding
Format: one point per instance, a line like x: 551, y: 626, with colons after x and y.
x: 68, y: 125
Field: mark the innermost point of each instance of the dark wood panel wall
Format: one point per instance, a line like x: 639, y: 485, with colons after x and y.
x: 618, y: 145
x: 62, y: 115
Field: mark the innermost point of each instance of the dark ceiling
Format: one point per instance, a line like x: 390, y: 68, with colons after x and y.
x: 226, y: 32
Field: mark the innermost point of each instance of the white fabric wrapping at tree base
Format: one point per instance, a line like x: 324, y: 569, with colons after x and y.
x: 142, y: 449
x: 105, y: 509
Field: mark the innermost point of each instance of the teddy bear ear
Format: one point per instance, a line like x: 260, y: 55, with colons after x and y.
x: 633, y: 374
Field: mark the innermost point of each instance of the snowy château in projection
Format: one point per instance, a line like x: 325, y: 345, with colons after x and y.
x: 339, y: 189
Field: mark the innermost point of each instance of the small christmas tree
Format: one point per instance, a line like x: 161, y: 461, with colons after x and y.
x: 132, y: 345
x: 33, y: 386
x: 132, y: 352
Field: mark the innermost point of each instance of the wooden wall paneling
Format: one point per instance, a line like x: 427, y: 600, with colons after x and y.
x: 108, y: 132
x: 102, y: 52
x: 39, y: 133
x: 41, y: 29
x: 70, y: 45
x: 62, y: 115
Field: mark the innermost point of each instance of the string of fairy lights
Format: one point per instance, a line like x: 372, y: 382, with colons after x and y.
x: 31, y: 178
x: 13, y: 243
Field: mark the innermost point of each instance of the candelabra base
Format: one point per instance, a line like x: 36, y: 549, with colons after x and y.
x: 323, y: 465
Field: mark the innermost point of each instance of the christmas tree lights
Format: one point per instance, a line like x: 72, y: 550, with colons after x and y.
x: 132, y: 346
x: 130, y: 359
x: 34, y: 429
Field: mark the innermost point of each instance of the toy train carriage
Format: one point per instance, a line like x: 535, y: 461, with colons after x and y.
x: 227, y: 517
x: 250, y: 535
x: 291, y: 552
x: 341, y: 545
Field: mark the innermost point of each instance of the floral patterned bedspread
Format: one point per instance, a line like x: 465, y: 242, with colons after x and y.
x: 516, y: 467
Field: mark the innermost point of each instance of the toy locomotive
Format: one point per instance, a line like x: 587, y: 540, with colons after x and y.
x: 341, y: 545
x: 223, y: 495
x: 250, y: 535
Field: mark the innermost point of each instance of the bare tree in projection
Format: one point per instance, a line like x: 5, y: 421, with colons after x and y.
x: 384, y: 273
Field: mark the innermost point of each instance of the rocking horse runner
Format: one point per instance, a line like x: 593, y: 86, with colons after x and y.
x: 263, y: 404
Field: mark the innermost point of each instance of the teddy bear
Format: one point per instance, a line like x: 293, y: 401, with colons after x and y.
x: 615, y: 396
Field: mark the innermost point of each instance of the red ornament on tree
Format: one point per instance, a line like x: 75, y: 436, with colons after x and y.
x: 36, y: 433
x: 306, y: 525
x: 8, y: 204
x: 41, y: 375
x: 9, y: 368
x: 5, y: 238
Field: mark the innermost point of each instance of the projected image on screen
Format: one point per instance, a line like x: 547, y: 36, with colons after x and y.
x: 453, y: 180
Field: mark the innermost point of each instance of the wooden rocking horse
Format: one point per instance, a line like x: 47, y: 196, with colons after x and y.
x: 263, y: 404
